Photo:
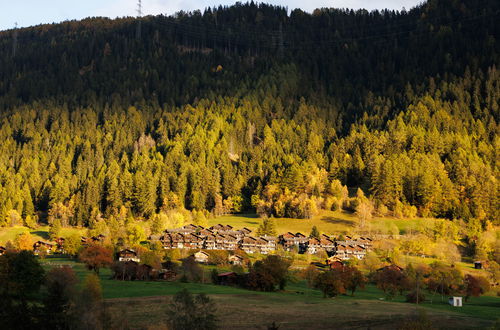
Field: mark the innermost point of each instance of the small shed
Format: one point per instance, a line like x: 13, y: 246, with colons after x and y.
x: 478, y: 265
x: 455, y: 301
x: 235, y: 259
x: 201, y: 256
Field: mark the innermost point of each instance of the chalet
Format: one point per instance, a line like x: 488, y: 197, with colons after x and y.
x: 167, y: 274
x: 327, y: 243
x: 205, y: 232
x: 60, y: 244
x: 289, y: 240
x: 478, y: 265
x: 209, y: 242
x: 226, y: 230
x: 85, y: 241
x: 342, y: 252
x: 192, y: 241
x: 201, y: 257
x: 365, y: 242
x: 227, y: 278
x: 2, y: 250
x: 266, y: 244
x: 249, y: 244
x: 172, y: 241
x: 236, y: 260
x: 40, y: 246
x: 313, y: 245
x: 335, y: 263
x: 187, y: 229
x: 246, y: 231
x: 230, y: 242
x: 358, y: 252
x: 128, y: 255
x: 98, y: 239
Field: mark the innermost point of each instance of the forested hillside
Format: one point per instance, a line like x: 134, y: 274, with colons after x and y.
x: 249, y: 108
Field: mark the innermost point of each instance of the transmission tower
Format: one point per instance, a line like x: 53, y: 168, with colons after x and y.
x: 14, y: 40
x: 139, y: 15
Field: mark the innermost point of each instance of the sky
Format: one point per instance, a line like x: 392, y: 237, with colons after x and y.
x: 34, y: 12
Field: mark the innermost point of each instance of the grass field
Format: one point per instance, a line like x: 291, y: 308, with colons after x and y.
x: 329, y: 222
x: 41, y: 233
x: 144, y: 303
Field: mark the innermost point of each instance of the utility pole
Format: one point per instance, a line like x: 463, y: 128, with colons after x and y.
x: 139, y: 16
x: 14, y: 40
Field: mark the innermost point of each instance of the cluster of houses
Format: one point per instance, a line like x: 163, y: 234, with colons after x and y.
x: 225, y: 237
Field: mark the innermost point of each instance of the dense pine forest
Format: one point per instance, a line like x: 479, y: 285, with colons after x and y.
x: 252, y: 108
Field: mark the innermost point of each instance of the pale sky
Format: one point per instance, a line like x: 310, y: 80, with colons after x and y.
x: 34, y: 12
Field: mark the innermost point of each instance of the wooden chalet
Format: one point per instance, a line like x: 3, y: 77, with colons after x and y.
x: 2, y: 250
x: 98, y: 239
x: 187, y: 229
x: 192, y: 241
x: 246, y: 231
x: 335, y: 263
x: 313, y: 245
x: 235, y: 259
x: 40, y: 246
x: 128, y: 255
x: 227, y: 278
x: 249, y: 244
x: 60, y: 244
x: 221, y: 228
x: 205, y: 232
x: 210, y: 242
x: 266, y: 244
x: 201, y: 257
x: 327, y: 243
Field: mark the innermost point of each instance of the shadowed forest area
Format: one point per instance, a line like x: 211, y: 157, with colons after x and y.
x: 250, y: 109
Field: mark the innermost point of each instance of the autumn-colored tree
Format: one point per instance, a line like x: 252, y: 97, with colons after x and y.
x: 72, y: 244
x: 330, y: 283
x: 269, y: 274
x: 95, y: 257
x: 475, y: 286
x: 24, y: 241
x: 352, y: 278
x: 391, y: 279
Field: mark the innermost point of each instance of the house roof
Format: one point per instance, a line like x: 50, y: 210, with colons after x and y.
x: 202, y: 252
x: 127, y: 251
x: 227, y: 274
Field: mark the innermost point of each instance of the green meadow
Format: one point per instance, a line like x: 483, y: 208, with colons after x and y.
x: 151, y: 298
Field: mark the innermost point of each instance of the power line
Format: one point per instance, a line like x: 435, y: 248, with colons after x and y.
x: 14, y: 40
x: 139, y: 16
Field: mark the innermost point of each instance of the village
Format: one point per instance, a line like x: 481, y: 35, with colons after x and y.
x: 227, y: 238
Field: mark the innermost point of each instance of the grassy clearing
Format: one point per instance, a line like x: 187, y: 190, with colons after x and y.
x: 41, y: 233
x: 329, y: 222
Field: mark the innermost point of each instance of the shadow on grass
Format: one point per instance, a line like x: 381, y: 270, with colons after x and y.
x: 42, y: 234
x: 338, y: 221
